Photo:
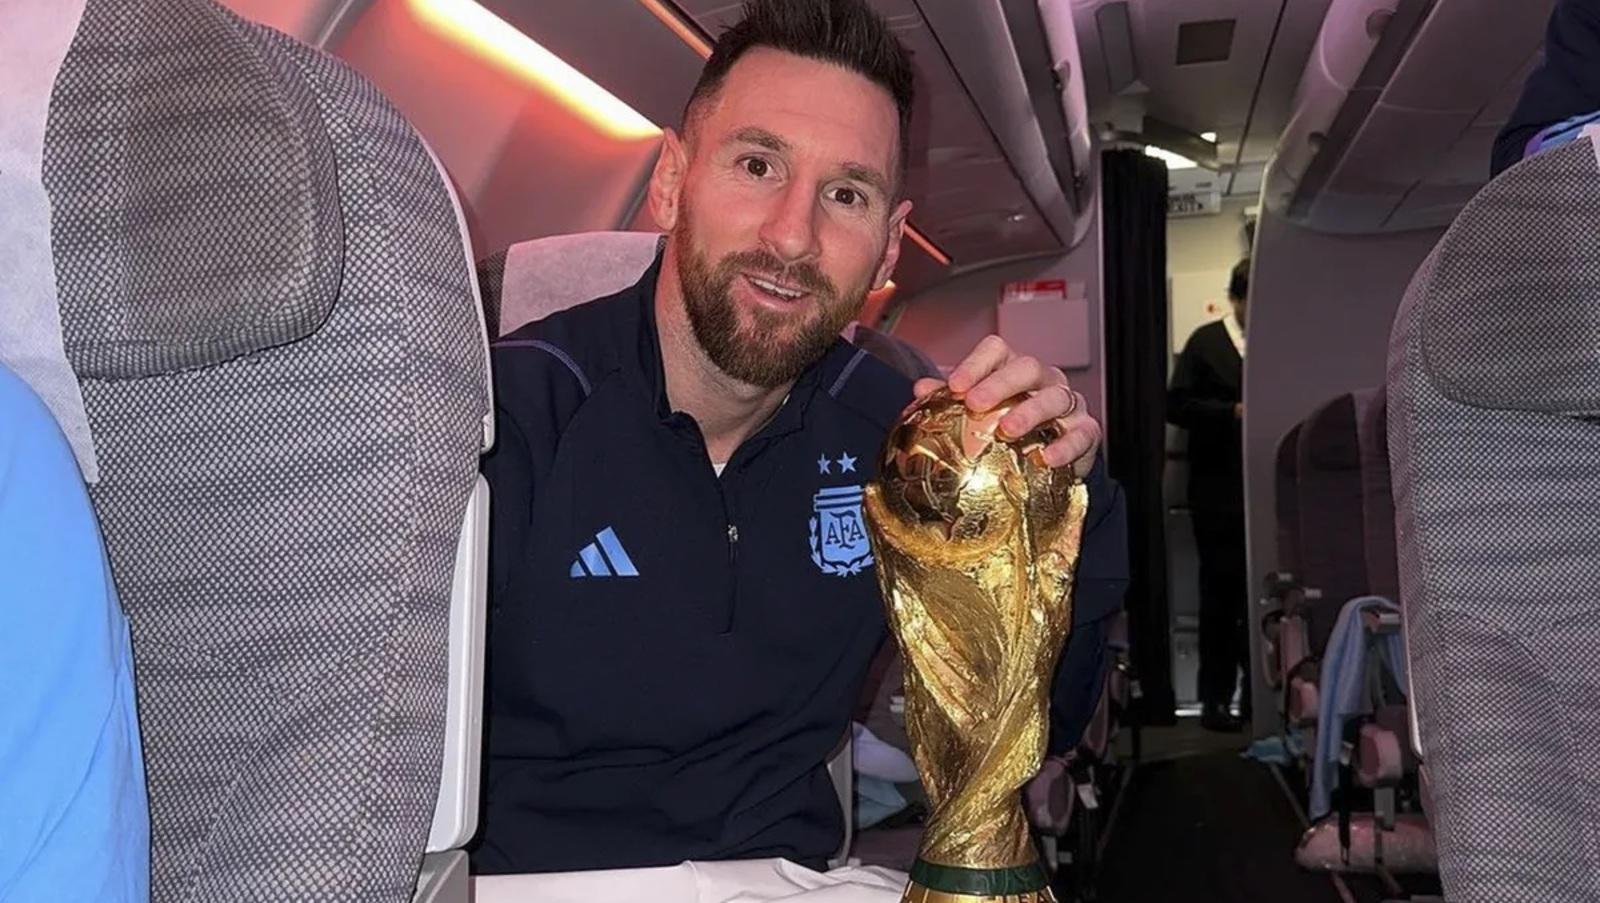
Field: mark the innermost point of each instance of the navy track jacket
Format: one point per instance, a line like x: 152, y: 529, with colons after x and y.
x: 673, y: 655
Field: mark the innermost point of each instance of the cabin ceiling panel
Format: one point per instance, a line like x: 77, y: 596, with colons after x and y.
x: 1464, y: 55
x: 1253, y: 88
x: 1498, y: 110
x: 968, y: 199
x: 1423, y: 148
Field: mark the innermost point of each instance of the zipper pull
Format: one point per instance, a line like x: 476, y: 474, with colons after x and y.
x: 733, y: 533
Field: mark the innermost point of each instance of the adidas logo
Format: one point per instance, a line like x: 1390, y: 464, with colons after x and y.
x: 604, y: 557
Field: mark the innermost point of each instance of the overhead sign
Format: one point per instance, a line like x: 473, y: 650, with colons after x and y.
x: 1194, y: 203
x: 1037, y: 290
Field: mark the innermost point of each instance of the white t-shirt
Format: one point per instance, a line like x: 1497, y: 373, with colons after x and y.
x: 1235, y: 331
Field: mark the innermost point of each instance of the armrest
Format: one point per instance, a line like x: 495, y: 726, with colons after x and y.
x: 1380, y: 623
x: 841, y: 768
x: 1302, y: 599
x: 1378, y: 761
x: 443, y: 879
x: 1279, y: 584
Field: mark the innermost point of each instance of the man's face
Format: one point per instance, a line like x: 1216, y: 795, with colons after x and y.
x: 785, y: 215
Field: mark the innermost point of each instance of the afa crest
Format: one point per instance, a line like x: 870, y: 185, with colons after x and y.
x: 839, y: 543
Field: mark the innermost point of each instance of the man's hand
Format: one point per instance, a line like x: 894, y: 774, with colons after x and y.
x: 993, y: 373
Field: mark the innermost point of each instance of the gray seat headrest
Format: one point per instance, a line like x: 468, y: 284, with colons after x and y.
x: 1329, y: 439
x: 193, y: 193
x: 1511, y: 295
x: 533, y: 279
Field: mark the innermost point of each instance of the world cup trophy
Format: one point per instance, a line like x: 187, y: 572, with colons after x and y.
x: 976, y: 540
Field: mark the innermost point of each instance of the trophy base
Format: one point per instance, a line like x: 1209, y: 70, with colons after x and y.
x: 934, y: 883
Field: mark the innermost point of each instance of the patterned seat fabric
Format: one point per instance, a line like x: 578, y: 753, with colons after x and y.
x: 265, y: 294
x: 1494, y: 391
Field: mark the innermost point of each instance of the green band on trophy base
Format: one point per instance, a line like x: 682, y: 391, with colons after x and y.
x: 950, y: 879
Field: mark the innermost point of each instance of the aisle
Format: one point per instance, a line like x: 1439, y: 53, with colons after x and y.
x: 1207, y: 828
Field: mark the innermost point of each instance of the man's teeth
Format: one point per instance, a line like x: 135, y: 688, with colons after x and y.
x: 775, y: 289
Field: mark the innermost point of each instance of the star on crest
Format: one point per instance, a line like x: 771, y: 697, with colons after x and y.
x: 847, y: 464
x: 823, y: 465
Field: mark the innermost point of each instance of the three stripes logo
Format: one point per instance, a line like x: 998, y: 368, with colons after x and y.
x: 604, y: 557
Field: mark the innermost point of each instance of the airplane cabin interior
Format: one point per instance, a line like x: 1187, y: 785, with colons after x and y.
x: 267, y: 254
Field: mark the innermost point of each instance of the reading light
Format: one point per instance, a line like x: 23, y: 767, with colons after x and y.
x: 1173, y: 161
x: 481, y: 31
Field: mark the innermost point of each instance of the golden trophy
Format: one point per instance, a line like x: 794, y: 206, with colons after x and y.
x: 976, y: 540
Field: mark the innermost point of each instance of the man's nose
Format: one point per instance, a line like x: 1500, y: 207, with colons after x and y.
x: 790, y: 230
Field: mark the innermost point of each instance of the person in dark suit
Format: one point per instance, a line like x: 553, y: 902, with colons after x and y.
x: 1206, y: 398
x: 1566, y: 83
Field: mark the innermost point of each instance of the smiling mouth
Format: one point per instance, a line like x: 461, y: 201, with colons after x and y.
x: 775, y: 290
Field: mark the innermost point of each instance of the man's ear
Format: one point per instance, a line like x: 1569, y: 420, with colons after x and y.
x: 666, y: 180
x: 891, y: 251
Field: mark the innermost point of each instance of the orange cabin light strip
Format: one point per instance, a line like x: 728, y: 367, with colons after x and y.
x: 690, y: 33
x: 469, y: 25
x: 686, y: 31
x: 928, y: 246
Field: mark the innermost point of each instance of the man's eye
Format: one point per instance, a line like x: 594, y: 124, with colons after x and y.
x: 848, y: 196
x: 757, y: 167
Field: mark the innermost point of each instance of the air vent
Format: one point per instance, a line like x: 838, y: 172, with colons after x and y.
x: 1205, y: 42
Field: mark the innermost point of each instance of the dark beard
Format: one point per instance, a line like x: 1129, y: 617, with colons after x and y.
x: 758, y: 356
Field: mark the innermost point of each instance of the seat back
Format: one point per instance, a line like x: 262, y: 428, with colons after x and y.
x: 1377, y: 499
x: 533, y: 279
x: 1332, y: 556
x: 1494, y: 433
x: 266, y: 297
x: 1286, y: 501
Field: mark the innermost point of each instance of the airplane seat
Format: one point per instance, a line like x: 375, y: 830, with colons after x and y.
x: 1332, y: 556
x: 1064, y: 800
x: 268, y: 302
x: 1280, y: 651
x: 1494, y: 429
x: 1377, y: 497
x: 1364, y: 714
x: 1388, y: 737
x: 533, y: 279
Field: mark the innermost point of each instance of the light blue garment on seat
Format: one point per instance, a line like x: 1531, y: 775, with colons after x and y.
x: 1563, y: 132
x: 74, y: 820
x: 1342, y: 687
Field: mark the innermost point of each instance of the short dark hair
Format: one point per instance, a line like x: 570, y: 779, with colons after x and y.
x: 1239, y: 282
x: 847, y: 33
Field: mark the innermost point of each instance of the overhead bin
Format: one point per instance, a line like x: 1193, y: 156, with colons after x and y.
x: 1065, y: 61
x: 1397, y: 110
x: 1040, y: 121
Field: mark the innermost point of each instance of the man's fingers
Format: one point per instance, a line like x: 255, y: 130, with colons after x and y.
x: 1043, y: 406
x: 1076, y: 446
x: 1018, y: 375
x: 990, y: 355
x: 924, y: 387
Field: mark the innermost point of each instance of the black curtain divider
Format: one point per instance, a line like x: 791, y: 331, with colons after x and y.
x: 1134, y: 229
